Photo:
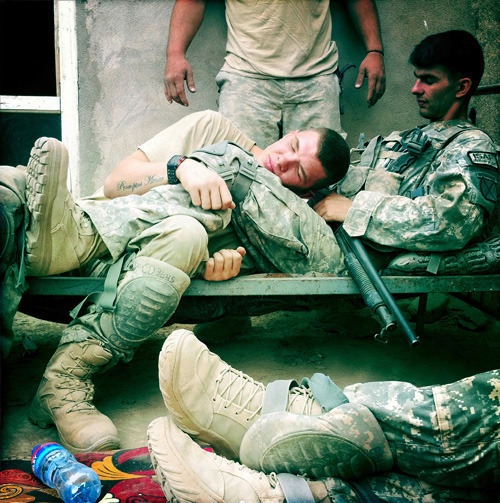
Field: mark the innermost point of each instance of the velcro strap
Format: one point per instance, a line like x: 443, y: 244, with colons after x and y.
x: 325, y: 391
x: 244, y: 178
x: 276, y: 397
x: 296, y: 489
x: 433, y: 265
x: 417, y: 193
x: 105, y: 300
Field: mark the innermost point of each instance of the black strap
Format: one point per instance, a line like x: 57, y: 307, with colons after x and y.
x: 246, y: 175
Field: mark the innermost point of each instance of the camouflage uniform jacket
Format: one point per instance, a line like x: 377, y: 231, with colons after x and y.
x: 429, y: 188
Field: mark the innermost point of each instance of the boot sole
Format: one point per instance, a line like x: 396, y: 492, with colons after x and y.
x: 105, y: 444
x: 331, y: 445
x: 46, y: 174
x: 157, y: 466
x: 313, y: 455
x: 170, y: 466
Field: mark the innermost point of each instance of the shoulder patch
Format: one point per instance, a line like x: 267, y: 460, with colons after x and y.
x: 484, y: 159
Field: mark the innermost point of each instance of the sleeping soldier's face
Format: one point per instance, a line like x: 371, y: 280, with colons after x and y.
x: 294, y: 159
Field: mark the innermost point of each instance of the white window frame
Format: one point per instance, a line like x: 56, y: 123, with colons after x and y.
x: 66, y: 101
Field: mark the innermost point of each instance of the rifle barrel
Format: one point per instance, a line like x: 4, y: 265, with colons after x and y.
x: 364, y: 259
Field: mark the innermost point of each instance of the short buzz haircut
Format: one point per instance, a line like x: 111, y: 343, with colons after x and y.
x: 457, y: 51
x: 334, y: 156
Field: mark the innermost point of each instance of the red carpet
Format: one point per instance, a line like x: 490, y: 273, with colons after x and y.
x: 126, y: 476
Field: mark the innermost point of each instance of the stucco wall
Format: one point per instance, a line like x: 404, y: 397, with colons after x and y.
x: 121, y: 51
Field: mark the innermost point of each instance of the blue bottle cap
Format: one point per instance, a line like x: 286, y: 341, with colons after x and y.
x: 39, y: 452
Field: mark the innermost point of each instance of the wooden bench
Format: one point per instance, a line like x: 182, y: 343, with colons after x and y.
x: 52, y: 297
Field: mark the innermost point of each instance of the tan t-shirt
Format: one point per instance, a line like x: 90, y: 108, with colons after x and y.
x: 280, y: 38
x: 193, y: 132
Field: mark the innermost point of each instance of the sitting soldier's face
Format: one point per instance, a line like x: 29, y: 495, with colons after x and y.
x: 435, y: 92
x: 294, y: 159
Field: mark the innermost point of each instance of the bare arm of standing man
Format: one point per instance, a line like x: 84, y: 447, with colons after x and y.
x: 364, y: 15
x: 184, y: 24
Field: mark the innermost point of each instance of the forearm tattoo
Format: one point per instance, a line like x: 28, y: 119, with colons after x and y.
x: 149, y: 180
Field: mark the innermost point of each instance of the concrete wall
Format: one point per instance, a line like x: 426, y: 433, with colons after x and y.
x: 121, y: 50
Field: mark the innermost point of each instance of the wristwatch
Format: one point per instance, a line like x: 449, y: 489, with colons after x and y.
x: 172, y: 165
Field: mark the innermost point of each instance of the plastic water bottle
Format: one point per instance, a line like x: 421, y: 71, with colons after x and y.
x: 56, y: 467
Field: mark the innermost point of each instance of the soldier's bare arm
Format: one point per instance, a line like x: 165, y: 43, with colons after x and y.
x: 187, y: 16
x: 365, y: 16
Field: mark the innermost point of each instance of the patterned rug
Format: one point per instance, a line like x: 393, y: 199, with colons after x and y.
x: 126, y: 477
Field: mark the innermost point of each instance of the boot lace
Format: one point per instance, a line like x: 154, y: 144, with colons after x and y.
x: 85, y: 391
x: 82, y: 385
x: 240, y: 390
x: 302, y: 394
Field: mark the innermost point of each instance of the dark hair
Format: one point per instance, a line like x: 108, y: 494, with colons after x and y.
x: 457, y: 51
x: 334, y: 156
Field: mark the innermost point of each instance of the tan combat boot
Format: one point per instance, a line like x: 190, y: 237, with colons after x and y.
x: 64, y: 398
x: 60, y: 237
x: 210, y: 400
x: 188, y: 473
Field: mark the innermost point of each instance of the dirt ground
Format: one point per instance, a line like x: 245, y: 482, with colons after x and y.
x: 463, y: 341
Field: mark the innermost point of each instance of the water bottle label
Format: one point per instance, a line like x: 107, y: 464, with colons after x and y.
x: 39, y: 452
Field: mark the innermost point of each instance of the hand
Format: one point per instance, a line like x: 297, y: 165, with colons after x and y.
x: 333, y: 208
x: 373, y: 68
x: 206, y: 188
x: 225, y: 264
x: 177, y: 70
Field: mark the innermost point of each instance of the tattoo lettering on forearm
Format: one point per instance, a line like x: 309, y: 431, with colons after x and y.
x: 131, y: 187
x: 154, y: 179
x: 128, y: 187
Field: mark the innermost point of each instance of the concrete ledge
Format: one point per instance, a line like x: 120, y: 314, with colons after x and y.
x: 281, y: 284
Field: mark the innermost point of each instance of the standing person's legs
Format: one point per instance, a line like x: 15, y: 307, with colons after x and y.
x: 311, y: 103
x: 148, y: 292
x: 444, y: 434
x: 253, y: 105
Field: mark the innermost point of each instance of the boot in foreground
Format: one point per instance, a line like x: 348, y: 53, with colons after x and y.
x: 188, y: 473
x: 64, y: 398
x: 210, y: 400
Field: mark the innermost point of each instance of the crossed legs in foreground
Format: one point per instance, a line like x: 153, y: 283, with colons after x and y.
x: 342, y: 454
x: 155, y: 273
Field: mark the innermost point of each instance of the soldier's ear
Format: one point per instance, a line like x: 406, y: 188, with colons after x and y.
x: 464, y: 86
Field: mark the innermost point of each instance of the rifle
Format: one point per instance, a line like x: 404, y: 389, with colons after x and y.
x: 371, y: 287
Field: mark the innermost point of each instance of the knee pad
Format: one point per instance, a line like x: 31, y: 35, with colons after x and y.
x: 147, y: 297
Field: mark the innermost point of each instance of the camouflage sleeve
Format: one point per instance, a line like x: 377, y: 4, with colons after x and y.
x: 459, y: 190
